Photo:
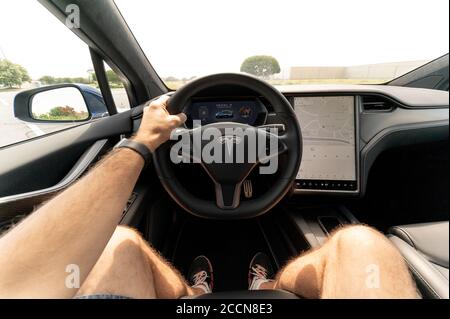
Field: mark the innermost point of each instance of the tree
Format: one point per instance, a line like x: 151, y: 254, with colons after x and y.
x: 113, y: 77
x: 24, y: 73
x: 170, y: 79
x: 66, y: 80
x: 62, y: 111
x: 80, y: 80
x: 260, y: 65
x: 12, y: 74
x: 66, y: 113
x: 47, y: 80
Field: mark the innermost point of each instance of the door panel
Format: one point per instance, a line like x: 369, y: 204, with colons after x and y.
x: 21, y: 204
x: 43, y: 162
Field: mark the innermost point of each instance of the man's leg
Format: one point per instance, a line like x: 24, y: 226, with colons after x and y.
x: 130, y: 267
x: 356, y: 262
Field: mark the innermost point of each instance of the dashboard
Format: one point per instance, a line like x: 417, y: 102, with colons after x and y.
x: 344, y: 127
x: 386, y: 118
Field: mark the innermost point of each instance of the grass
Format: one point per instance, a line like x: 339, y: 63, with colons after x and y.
x: 73, y: 117
x: 177, y: 84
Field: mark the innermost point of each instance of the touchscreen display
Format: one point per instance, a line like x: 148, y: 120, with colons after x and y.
x: 329, y: 154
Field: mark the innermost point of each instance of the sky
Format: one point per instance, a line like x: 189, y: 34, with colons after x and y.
x: 33, y: 37
x: 190, y: 38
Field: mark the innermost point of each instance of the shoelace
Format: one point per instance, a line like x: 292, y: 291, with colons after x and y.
x: 200, y: 281
x: 200, y: 277
x: 259, y: 272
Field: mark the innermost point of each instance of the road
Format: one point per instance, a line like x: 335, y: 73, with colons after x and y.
x: 13, y: 130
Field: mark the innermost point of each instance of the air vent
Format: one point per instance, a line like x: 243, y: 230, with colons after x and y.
x: 373, y: 103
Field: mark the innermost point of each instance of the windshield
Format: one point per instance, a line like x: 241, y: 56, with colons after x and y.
x: 289, y: 42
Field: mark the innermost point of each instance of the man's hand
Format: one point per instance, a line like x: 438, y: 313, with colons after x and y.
x: 157, y: 124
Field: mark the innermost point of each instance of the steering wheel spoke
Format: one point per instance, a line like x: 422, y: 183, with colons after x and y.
x: 228, y: 196
x: 279, y: 128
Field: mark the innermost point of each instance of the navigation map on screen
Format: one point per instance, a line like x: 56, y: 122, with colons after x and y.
x: 328, y: 129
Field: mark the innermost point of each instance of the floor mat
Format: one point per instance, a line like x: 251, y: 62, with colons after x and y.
x: 229, y: 245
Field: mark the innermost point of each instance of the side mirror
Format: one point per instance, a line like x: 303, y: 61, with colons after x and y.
x: 60, y: 103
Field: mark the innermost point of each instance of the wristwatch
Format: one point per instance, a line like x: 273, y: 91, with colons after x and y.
x: 139, y: 148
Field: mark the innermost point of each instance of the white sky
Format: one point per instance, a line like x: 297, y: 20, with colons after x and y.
x: 186, y: 38
x: 33, y: 37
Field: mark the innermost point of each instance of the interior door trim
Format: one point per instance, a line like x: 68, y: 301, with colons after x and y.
x: 83, y: 163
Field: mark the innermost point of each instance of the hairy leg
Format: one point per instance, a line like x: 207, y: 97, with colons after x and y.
x: 130, y: 267
x: 356, y: 262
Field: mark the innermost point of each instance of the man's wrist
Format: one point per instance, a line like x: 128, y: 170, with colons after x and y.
x: 143, y: 141
x: 135, y: 146
x: 130, y: 153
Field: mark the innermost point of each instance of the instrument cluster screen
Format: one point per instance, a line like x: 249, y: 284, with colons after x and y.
x: 251, y: 112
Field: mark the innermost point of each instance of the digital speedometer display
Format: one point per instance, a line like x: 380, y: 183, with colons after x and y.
x: 249, y: 112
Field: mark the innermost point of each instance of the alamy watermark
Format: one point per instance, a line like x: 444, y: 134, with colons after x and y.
x: 229, y: 145
x: 73, y: 16
x: 373, y: 276
x: 73, y: 278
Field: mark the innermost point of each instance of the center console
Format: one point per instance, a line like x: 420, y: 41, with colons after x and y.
x: 315, y: 223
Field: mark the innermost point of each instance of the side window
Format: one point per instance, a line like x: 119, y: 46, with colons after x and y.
x: 36, y: 55
x: 117, y: 89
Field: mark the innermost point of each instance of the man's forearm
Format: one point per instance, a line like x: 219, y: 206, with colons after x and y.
x: 72, y: 228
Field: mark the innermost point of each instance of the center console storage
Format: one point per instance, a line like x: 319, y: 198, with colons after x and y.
x: 314, y: 224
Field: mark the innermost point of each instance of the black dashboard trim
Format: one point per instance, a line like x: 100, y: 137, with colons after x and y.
x: 409, y: 98
x: 398, y: 136
x: 390, y: 98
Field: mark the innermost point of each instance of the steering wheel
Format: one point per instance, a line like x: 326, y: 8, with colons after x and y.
x: 229, y: 177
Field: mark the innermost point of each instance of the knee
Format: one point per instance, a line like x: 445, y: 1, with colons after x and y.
x: 360, y: 237
x: 124, y: 239
x: 126, y: 233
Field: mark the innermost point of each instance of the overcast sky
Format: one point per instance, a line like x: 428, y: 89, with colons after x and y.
x: 186, y: 38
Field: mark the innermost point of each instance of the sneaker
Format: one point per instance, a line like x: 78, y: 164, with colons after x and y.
x: 260, y: 271
x: 201, y: 274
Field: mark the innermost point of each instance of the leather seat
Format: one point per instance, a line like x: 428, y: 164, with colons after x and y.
x: 425, y: 248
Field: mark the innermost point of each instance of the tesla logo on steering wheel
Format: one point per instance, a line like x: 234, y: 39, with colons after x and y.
x: 229, y: 139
